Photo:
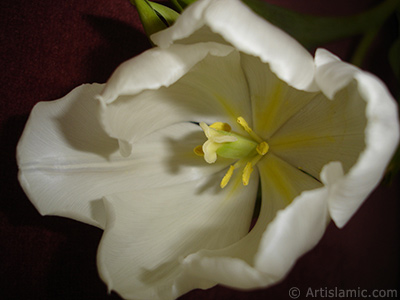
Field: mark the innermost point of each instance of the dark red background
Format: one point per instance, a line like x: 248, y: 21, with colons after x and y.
x: 50, y: 47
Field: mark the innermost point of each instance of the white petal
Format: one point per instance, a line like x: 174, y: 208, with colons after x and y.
x: 323, y: 131
x: 248, y: 33
x: 274, y: 102
x: 149, y: 232
x: 266, y: 254
x: 296, y: 230
x: 381, y: 134
x: 331, y: 75
x: 214, y: 89
x: 58, y: 135
x: 68, y: 163
x: 190, y: 21
x: 156, y: 68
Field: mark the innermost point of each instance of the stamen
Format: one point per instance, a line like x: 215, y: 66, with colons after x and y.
x: 198, y: 150
x: 222, y: 142
x: 242, y: 122
x: 221, y: 126
x: 227, y: 177
x: 255, y: 159
x: 248, y: 169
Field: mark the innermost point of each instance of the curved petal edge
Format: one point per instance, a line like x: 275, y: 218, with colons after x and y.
x: 243, y: 29
x: 381, y: 133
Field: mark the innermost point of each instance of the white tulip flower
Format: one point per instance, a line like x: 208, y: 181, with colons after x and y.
x: 168, y: 156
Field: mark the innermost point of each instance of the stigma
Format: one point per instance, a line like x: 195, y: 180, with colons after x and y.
x: 221, y: 141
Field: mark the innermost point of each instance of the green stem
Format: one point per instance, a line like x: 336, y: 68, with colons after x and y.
x: 363, y: 46
x: 387, y: 8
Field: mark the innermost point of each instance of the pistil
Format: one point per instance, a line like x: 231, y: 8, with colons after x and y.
x: 222, y: 142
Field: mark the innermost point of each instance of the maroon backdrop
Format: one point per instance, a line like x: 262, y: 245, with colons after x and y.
x: 50, y: 47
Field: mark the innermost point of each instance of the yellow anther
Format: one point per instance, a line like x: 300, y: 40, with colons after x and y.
x: 248, y: 169
x: 198, y: 150
x: 242, y: 122
x: 227, y: 177
x: 221, y: 126
x: 262, y: 148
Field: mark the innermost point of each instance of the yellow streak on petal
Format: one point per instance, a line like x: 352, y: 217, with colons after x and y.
x: 268, y: 109
x: 235, y: 184
x: 228, y: 107
x: 227, y: 177
x: 248, y: 169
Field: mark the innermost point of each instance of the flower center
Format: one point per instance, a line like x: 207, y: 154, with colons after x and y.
x: 222, y: 142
